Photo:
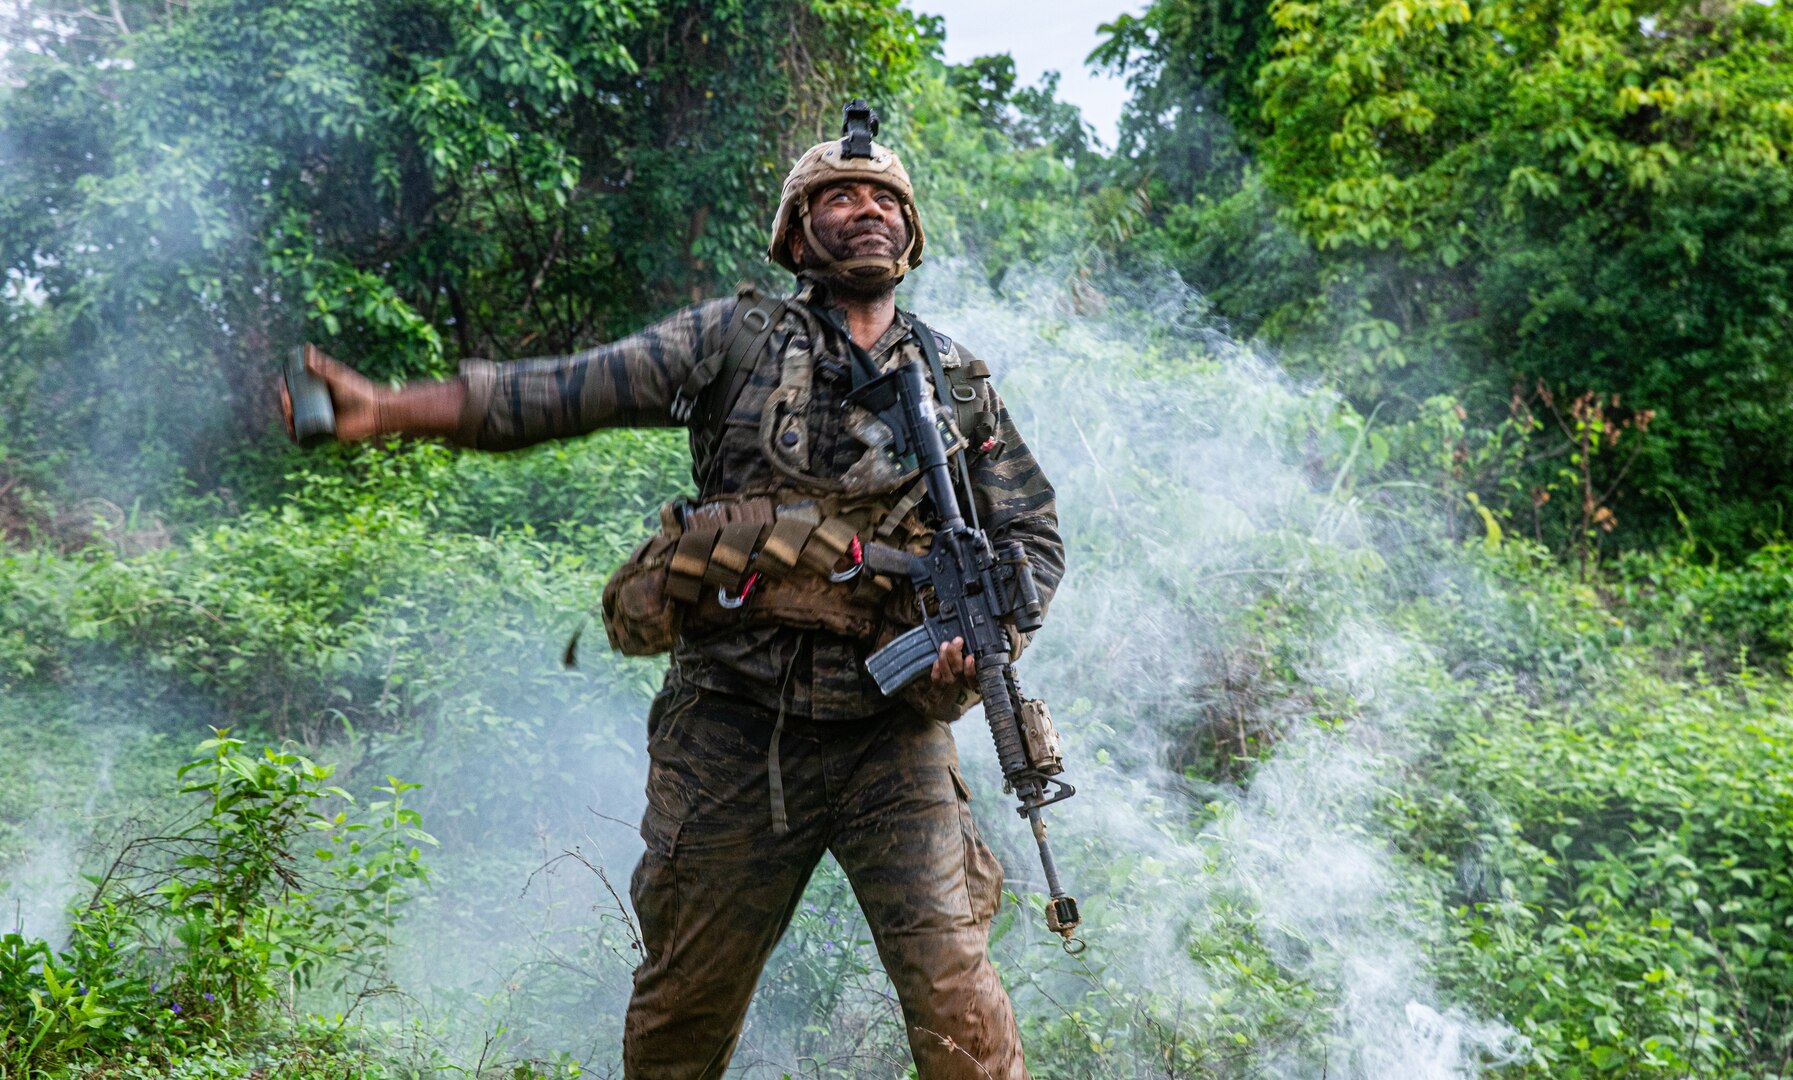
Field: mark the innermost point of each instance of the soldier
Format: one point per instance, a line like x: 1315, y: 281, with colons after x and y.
x: 769, y: 744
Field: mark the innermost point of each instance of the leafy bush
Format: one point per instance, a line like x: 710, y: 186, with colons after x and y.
x: 1715, y: 610
x: 193, y: 931
x: 355, y: 608
x: 1621, y: 865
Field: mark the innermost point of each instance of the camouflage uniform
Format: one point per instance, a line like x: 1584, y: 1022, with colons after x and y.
x: 717, y: 886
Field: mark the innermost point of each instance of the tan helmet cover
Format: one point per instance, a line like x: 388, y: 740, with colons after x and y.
x: 824, y: 164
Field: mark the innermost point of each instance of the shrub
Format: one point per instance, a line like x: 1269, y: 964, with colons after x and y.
x: 195, y: 930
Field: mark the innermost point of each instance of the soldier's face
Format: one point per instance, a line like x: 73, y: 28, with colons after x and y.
x: 852, y: 220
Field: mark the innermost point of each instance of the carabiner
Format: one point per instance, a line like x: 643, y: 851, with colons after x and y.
x: 733, y: 602
x: 856, y: 551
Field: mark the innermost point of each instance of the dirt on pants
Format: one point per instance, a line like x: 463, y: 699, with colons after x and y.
x: 718, y: 884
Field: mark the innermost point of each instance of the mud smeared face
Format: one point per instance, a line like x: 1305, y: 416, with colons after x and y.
x: 854, y: 219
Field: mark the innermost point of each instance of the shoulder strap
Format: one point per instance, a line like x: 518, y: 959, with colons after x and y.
x: 959, y: 391
x: 931, y: 349
x: 749, y: 327
x: 945, y: 390
x: 715, y: 383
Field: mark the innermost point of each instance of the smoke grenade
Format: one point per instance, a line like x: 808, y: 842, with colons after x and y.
x: 314, y: 415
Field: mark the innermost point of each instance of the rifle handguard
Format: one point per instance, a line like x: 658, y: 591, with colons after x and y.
x: 1025, y: 606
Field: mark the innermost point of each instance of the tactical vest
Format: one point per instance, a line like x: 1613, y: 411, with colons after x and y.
x: 790, y: 553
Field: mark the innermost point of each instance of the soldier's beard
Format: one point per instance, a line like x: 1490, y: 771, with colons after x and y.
x: 864, y: 285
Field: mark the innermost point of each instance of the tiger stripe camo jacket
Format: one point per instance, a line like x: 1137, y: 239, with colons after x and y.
x: 632, y: 382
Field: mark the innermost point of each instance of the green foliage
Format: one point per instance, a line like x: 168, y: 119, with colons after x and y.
x: 1002, y: 191
x: 54, y: 1016
x: 1192, y: 66
x: 1623, y: 882
x: 1103, y: 1021
x: 194, y: 930
x: 1679, y: 309
x: 1585, y: 106
x: 826, y: 972
x: 1227, y: 245
x: 189, y: 191
x: 242, y: 907
x: 360, y: 609
x: 1468, y: 197
x: 1712, y: 612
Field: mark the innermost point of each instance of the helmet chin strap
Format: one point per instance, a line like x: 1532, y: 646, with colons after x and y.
x: 886, y: 270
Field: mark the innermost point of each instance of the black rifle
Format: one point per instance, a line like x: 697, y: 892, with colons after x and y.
x: 968, y: 589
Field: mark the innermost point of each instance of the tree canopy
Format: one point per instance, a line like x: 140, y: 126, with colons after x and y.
x: 402, y: 182
x: 1588, y: 196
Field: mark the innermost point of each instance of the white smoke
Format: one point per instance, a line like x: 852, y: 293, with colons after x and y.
x: 36, y: 889
x: 1201, y: 530
x: 39, y: 882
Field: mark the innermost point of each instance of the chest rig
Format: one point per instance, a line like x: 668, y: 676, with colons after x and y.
x: 786, y: 549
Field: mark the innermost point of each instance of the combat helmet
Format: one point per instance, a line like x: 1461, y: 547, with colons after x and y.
x: 852, y: 157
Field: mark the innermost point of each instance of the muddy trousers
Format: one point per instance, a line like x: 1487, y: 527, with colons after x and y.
x: 718, y: 884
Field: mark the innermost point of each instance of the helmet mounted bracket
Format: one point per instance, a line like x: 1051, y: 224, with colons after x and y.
x: 858, y: 127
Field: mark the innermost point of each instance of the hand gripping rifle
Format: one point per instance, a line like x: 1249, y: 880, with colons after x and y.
x: 967, y: 589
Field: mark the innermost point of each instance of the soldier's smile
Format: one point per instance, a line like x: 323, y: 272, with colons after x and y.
x: 871, y: 238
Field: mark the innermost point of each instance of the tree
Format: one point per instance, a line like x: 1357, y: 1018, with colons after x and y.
x: 1587, y: 193
x: 1192, y: 66
x: 189, y: 189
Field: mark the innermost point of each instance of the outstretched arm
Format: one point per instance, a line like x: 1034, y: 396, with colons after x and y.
x: 626, y: 383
